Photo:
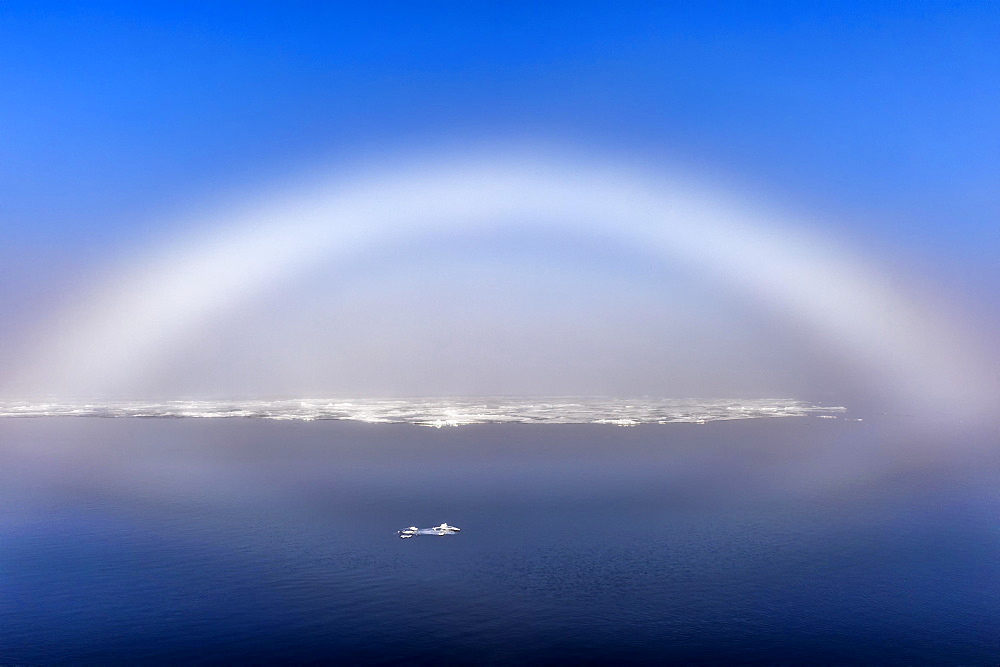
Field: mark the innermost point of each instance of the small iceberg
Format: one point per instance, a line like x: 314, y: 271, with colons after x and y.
x: 413, y: 531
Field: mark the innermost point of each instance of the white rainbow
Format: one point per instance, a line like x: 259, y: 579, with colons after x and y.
x: 126, y: 331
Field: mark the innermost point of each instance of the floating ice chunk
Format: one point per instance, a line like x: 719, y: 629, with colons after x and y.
x: 443, y: 529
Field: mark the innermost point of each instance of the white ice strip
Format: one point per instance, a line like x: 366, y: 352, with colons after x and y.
x: 441, y: 412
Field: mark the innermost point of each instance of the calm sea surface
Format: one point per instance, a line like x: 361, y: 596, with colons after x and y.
x: 794, y: 540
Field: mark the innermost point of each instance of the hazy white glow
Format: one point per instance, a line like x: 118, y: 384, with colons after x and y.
x: 135, y: 325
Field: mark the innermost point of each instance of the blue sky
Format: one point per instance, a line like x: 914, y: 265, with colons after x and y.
x: 881, y: 117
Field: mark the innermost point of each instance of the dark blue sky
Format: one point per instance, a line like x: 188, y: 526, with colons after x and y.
x: 886, y: 114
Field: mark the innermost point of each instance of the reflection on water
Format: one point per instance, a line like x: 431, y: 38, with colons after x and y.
x: 243, y: 540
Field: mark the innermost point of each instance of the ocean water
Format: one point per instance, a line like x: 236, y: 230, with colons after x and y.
x: 246, y: 540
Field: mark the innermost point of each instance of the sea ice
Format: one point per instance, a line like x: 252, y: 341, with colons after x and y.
x: 443, y: 529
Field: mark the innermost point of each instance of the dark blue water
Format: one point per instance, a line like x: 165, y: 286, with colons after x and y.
x: 797, y: 540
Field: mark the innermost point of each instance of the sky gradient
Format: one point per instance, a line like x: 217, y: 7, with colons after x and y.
x: 129, y: 131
